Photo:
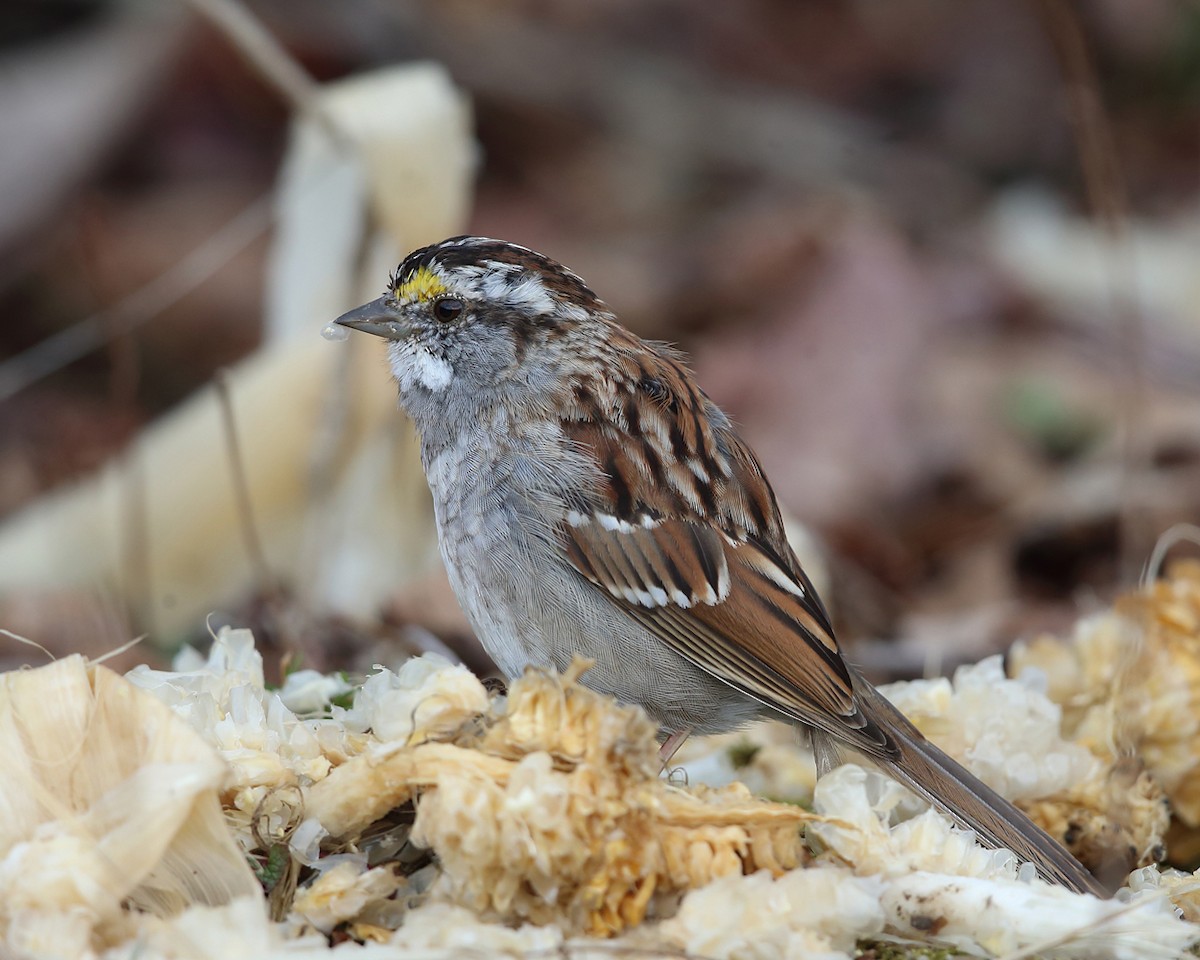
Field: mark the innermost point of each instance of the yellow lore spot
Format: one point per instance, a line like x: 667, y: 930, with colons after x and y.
x: 421, y: 285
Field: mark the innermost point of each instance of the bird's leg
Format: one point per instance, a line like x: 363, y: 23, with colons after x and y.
x: 672, y: 744
x: 825, y: 751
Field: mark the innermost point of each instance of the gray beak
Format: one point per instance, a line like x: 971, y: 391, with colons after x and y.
x: 377, y: 317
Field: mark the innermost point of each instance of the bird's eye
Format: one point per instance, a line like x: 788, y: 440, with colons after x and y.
x: 446, y: 309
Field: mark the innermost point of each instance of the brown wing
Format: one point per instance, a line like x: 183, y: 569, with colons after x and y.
x: 685, y: 534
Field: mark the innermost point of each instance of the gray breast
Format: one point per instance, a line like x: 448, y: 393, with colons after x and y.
x: 498, y: 506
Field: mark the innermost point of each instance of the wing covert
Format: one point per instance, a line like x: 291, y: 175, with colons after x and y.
x: 683, y: 531
x: 723, y: 604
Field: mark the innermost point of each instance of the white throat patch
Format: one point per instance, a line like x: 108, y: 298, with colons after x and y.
x: 413, y: 365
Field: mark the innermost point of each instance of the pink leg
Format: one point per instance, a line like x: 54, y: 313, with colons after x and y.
x: 672, y: 744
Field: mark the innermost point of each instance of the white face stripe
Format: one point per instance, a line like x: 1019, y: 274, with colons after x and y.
x: 533, y: 254
x: 497, y: 282
x: 502, y: 282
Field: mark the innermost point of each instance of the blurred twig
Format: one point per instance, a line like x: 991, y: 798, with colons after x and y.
x: 136, y: 553
x: 1106, y: 196
x: 675, y: 115
x: 268, y: 57
x: 145, y: 303
x: 237, y: 468
x: 1179, y: 533
x: 107, y: 326
x: 265, y: 54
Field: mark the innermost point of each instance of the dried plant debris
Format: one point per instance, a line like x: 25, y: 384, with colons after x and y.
x: 1128, y: 684
x: 1103, y: 807
x: 194, y: 813
x: 109, y: 811
x: 557, y: 813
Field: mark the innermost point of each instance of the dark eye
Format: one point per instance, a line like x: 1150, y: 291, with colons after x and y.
x: 446, y: 309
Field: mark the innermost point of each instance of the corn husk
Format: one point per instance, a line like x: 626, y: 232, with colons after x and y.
x: 399, y: 175
x: 558, y: 815
x: 110, y: 808
x: 431, y: 819
x: 1128, y: 682
x: 1105, y: 807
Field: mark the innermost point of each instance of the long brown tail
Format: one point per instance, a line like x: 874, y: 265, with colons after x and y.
x: 948, y: 786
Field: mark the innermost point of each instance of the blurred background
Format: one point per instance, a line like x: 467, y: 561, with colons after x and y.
x: 938, y: 260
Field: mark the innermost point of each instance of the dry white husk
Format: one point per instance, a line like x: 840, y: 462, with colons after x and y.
x: 130, y: 803
x: 110, y: 809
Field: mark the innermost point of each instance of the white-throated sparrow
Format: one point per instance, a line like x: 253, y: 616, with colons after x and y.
x: 590, y: 499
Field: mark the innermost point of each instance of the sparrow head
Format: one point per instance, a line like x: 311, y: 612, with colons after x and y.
x: 471, y: 318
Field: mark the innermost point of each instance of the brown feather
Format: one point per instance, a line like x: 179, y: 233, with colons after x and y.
x: 673, y: 521
x: 684, y: 532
